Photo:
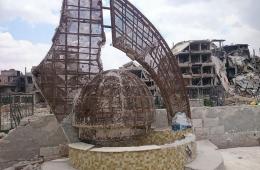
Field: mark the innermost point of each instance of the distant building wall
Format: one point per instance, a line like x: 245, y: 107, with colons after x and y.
x: 13, y: 81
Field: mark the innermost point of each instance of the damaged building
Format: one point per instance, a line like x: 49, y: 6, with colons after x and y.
x: 13, y: 81
x: 210, y: 70
x: 195, y: 61
x: 242, y: 70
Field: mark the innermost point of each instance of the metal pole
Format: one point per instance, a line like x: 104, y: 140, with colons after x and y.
x: 0, y: 113
x: 10, y: 111
x: 32, y: 104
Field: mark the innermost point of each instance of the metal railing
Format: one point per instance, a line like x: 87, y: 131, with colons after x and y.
x: 13, y: 108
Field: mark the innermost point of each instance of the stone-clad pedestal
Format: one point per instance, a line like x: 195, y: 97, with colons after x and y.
x: 163, y: 154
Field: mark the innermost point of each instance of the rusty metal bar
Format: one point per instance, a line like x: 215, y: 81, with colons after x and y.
x: 135, y: 35
x: 74, y: 58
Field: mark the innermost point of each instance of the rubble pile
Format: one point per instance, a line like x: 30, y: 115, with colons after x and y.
x: 247, y: 84
x: 238, y: 71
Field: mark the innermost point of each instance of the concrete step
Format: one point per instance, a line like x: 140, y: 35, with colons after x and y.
x: 208, y: 157
x: 60, y: 164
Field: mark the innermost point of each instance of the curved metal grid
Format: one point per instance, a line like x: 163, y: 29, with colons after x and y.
x: 74, y: 58
x: 112, y: 99
x: 115, y: 106
x: 135, y: 35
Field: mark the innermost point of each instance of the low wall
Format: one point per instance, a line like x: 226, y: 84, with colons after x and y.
x: 226, y: 127
x: 230, y: 126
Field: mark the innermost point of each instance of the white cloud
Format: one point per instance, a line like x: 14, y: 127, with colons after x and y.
x: 32, y: 11
x: 112, y: 58
x: 19, y: 54
x: 178, y: 20
x: 181, y: 20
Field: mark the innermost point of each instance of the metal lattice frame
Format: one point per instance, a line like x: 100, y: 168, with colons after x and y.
x: 115, y: 106
x: 135, y: 35
x: 115, y: 98
x: 74, y: 58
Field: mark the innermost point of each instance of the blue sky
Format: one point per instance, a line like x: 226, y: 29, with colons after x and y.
x: 27, y: 26
x: 23, y: 30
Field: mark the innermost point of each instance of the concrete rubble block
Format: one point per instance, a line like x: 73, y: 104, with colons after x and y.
x: 32, y: 167
x: 51, y: 153
x: 28, y: 165
x: 201, y: 133
x: 198, y: 112
x: 211, y: 122
x: 197, y: 123
x: 218, y: 130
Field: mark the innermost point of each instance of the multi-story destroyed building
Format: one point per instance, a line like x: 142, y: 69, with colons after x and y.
x: 14, y: 81
x: 209, y: 69
x: 195, y: 61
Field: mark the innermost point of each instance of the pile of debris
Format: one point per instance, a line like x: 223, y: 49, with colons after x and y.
x: 247, y: 84
x: 238, y: 71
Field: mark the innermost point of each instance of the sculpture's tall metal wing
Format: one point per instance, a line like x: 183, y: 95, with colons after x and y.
x: 74, y: 58
x: 139, y: 39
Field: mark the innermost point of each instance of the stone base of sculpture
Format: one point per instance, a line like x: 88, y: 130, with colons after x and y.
x: 162, y: 149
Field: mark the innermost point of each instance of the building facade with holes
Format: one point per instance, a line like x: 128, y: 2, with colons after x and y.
x: 198, y: 70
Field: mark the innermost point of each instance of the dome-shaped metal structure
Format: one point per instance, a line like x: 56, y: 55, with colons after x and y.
x: 116, y: 105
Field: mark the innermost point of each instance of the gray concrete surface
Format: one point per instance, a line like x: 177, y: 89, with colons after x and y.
x: 208, y: 157
x: 226, y: 127
x: 60, y: 164
x: 24, y: 143
x: 247, y: 158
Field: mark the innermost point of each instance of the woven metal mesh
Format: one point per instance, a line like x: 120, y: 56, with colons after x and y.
x: 74, y: 58
x: 134, y: 34
x: 115, y: 99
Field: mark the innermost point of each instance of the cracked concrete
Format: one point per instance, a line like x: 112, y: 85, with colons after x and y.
x: 24, y: 143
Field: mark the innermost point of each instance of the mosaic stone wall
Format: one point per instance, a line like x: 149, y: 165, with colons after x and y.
x: 153, y: 157
x: 161, y: 137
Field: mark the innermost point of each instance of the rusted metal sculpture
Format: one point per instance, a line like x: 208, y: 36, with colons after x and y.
x: 134, y: 34
x: 74, y: 59
x: 115, y: 106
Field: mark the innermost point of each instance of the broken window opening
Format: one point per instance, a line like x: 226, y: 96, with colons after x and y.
x: 184, y: 58
x: 206, y: 58
x: 193, y: 93
x: 206, y: 92
x: 196, y: 70
x: 185, y: 70
x: 196, y: 82
x: 207, y: 81
x: 207, y: 70
x: 195, y: 59
x: 195, y: 47
x: 205, y: 46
